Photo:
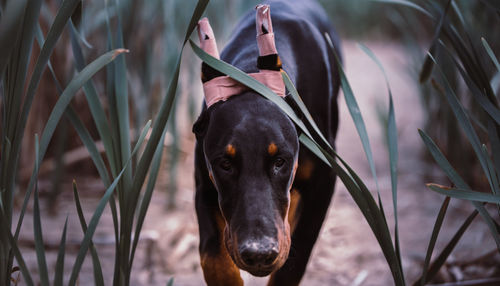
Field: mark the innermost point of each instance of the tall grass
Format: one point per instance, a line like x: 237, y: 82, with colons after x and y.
x: 18, y: 26
x: 473, y: 18
x: 125, y: 175
x: 129, y: 210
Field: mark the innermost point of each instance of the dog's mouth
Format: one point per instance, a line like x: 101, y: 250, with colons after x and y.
x: 259, y: 267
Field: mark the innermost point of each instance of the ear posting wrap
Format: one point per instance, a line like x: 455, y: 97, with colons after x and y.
x: 220, y: 88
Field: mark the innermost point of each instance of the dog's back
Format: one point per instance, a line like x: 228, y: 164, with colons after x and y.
x: 299, y: 27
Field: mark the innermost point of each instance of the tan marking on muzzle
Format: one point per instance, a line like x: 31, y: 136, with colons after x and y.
x: 220, y: 269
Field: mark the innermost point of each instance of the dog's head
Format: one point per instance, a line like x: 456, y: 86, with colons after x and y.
x: 251, y: 149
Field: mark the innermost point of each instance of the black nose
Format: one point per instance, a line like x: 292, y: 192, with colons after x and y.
x: 259, y: 253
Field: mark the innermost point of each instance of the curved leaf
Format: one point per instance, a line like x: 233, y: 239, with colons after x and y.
x: 434, y: 236
x: 59, y: 110
x: 59, y: 272
x: 465, y: 194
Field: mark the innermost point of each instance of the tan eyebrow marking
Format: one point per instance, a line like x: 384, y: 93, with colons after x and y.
x: 272, y: 149
x: 230, y: 150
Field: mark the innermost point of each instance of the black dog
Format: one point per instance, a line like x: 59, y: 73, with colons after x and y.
x: 260, y: 199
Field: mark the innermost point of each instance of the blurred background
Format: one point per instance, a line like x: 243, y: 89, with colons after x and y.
x: 346, y: 253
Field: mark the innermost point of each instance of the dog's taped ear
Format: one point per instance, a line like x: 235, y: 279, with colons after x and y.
x: 201, y: 125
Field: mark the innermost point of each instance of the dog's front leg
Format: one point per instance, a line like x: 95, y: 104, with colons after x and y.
x: 218, y: 267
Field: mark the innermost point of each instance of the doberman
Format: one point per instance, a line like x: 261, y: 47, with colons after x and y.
x: 260, y: 199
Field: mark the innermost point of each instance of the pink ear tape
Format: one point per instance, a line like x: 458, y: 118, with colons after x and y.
x: 207, y: 38
x: 265, y: 35
x: 223, y: 87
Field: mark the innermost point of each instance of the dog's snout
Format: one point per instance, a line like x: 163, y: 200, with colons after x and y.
x: 259, y: 253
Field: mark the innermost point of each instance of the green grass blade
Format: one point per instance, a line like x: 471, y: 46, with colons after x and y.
x: 94, y: 221
x: 148, y: 193
x: 95, y: 106
x: 495, y: 144
x: 443, y: 163
x: 37, y: 229
x: 392, y: 140
x: 457, y: 11
x: 491, y: 171
x: 441, y: 259
x: 379, y: 227
x: 89, y: 143
x: 110, y: 92
x: 40, y: 40
x: 114, y: 158
x: 122, y: 121
x: 198, y: 11
x: 59, y: 110
x: 39, y: 247
x: 480, y: 96
x: 470, y: 59
x: 308, y: 142
x: 432, y: 242
x: 490, y: 53
x: 465, y: 194
x: 296, y: 97
x: 429, y: 63
x: 365, y: 202
x: 170, y: 282
x: 59, y: 273
x: 141, y: 138
x: 350, y: 183
x: 464, y: 122
x: 121, y: 99
x: 10, y: 25
x: 96, y: 263
x: 84, y: 246
x: 15, y: 249
x: 355, y: 112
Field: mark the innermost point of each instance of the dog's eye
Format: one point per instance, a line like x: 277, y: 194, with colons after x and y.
x: 278, y: 163
x: 225, y: 165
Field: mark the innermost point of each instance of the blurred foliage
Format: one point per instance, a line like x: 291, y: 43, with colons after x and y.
x: 440, y: 123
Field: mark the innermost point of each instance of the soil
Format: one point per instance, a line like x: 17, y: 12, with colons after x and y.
x: 347, y: 252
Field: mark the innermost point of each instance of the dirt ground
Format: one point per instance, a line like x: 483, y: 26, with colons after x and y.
x: 346, y: 252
